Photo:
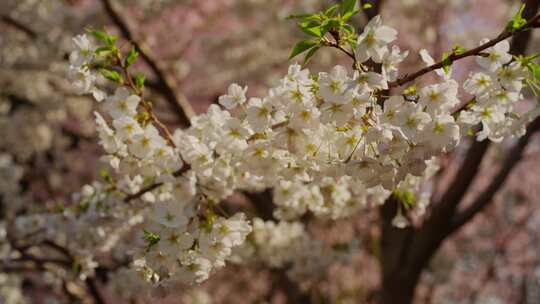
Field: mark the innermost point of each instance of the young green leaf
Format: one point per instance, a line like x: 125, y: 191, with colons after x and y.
x: 348, y: 15
x: 458, y: 49
x: 311, y: 28
x: 349, y: 29
x: 406, y: 198
x: 313, y: 31
x: 331, y: 11
x: 131, y: 57
x: 535, y: 69
x: 112, y: 75
x: 304, y: 17
x: 151, y: 238
x: 99, y: 35
x: 348, y: 6
x: 367, y: 6
x: 447, y: 62
x: 103, y: 51
x: 328, y: 24
x: 310, y: 54
x: 102, y: 36
x: 517, y: 22
x: 302, y: 46
x: 411, y: 91
x: 139, y: 80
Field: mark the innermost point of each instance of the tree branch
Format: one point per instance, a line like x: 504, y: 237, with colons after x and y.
x: 532, y: 23
x: 462, y: 181
x: 165, y: 82
x: 153, y: 186
x: 19, y: 26
x: 263, y: 203
x: 484, y: 199
x: 437, y: 227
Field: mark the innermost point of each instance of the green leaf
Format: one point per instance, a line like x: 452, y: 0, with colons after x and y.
x: 310, y: 54
x: 406, y: 198
x: 367, y: 6
x: 313, y: 31
x: 348, y: 15
x: 410, y: 91
x: 535, y: 70
x: 311, y: 28
x: 533, y: 56
x: 305, y: 17
x: 106, y: 176
x: 447, y: 62
x: 328, y: 24
x: 76, y: 267
x: 458, y: 49
x: 139, y: 80
x: 99, y: 35
x: 348, y: 6
x: 112, y: 75
x: 517, y: 22
x: 331, y: 11
x: 151, y: 238
x: 302, y: 46
x: 102, y: 36
x: 131, y: 57
x: 102, y: 51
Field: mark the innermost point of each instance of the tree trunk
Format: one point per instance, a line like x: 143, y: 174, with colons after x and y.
x: 399, y: 289
x: 405, y: 253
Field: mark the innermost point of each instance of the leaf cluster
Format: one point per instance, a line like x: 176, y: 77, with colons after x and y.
x: 332, y: 21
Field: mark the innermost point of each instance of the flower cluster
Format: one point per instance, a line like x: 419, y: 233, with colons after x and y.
x: 328, y: 144
x: 82, y: 77
x: 496, y: 91
x: 184, y: 238
x: 288, y: 244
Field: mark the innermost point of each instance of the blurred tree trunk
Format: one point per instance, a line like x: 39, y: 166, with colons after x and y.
x: 405, y: 253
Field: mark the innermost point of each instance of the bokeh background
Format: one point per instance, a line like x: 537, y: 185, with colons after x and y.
x: 48, y: 146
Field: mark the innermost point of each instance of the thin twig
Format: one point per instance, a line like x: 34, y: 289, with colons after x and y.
x: 19, y: 26
x: 176, y: 100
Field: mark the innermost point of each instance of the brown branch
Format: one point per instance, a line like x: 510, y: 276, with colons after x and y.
x: 411, y: 249
x: 462, y: 181
x: 262, y: 203
x: 484, y: 199
x: 473, y: 52
x: 19, y: 26
x: 94, y: 291
x: 437, y: 227
x: 153, y: 186
x: 176, y: 100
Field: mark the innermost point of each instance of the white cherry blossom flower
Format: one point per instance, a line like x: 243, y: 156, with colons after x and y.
x: 122, y: 103
x: 390, y: 61
x: 497, y: 55
x: 236, y: 96
x: 373, y: 40
x: 145, y: 144
x: 259, y: 114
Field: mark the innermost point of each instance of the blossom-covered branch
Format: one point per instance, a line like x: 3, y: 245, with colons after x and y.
x: 323, y: 143
x: 456, y: 55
